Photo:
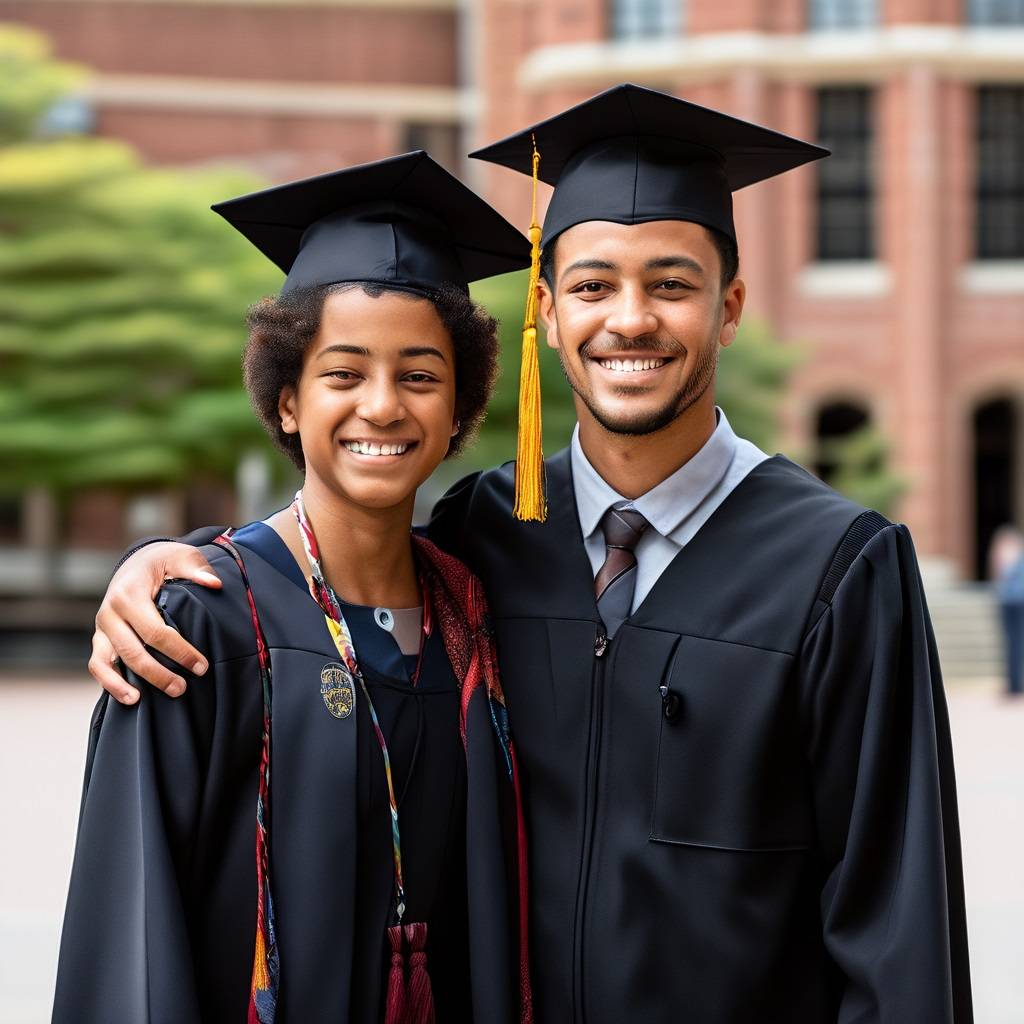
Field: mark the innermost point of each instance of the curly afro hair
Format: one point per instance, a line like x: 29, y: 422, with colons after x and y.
x: 282, y: 327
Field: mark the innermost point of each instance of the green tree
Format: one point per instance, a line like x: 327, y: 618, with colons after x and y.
x: 861, y: 469
x: 123, y: 300
x: 753, y: 374
x: 31, y: 82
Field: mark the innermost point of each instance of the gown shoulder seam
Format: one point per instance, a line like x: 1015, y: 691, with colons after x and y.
x: 861, y: 530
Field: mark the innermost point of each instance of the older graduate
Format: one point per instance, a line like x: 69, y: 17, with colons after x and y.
x: 315, y: 833
x: 735, y: 748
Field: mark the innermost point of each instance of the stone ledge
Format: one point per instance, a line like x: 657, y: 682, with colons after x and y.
x: 835, y: 279
x: 859, y: 55
x: 993, y: 277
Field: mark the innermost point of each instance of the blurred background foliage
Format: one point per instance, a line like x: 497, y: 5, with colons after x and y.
x: 862, y: 469
x: 123, y: 300
x: 123, y: 303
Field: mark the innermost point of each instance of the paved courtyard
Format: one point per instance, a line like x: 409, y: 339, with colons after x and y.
x: 41, y: 758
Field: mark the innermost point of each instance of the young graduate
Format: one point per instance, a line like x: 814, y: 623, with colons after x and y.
x: 316, y: 832
x: 735, y: 748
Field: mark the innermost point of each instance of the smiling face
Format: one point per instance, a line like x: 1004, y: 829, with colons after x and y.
x: 637, y: 313
x: 374, y: 406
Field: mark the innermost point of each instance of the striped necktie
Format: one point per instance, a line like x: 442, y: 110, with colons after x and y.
x: 616, y: 580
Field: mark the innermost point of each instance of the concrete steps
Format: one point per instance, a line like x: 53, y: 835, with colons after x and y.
x: 967, y: 629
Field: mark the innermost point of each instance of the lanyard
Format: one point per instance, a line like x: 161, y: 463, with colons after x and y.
x: 327, y: 599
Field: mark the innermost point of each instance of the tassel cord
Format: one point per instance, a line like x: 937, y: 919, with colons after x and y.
x: 530, y: 503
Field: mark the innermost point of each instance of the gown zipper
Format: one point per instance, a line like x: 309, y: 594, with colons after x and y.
x: 590, y: 809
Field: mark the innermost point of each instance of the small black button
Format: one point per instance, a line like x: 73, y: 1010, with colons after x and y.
x: 671, y: 703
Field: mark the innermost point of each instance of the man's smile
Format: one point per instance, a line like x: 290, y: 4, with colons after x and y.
x: 632, y: 364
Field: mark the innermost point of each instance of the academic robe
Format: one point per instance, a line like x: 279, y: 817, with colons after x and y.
x: 775, y: 837
x: 160, y: 922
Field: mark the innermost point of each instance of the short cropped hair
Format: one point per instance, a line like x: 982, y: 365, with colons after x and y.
x: 728, y: 257
x: 281, y: 329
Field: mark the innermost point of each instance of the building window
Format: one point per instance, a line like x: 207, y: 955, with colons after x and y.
x: 846, y: 185
x: 73, y: 114
x: 823, y: 15
x: 995, y: 12
x: 835, y: 423
x: 999, y: 174
x: 441, y: 141
x: 645, y: 19
x: 995, y: 475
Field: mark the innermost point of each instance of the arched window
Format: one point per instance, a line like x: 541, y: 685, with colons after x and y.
x: 835, y: 421
x: 995, y: 474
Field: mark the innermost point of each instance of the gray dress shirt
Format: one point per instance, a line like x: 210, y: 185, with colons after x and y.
x: 676, y: 508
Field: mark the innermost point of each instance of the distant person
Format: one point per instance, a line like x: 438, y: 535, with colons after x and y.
x: 1006, y: 570
x: 316, y: 831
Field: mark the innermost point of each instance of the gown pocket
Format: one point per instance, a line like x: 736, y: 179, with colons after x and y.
x: 730, y: 772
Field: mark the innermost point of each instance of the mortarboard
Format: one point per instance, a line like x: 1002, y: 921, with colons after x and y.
x: 403, y: 221
x: 631, y: 155
x: 628, y: 155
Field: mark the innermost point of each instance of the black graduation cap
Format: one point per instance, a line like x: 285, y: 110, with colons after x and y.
x: 403, y: 221
x: 631, y: 155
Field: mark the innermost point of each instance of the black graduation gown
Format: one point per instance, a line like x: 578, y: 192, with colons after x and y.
x: 160, y: 922
x: 778, y: 842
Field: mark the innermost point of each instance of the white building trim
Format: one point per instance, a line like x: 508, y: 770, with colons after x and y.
x: 422, y: 103
x: 845, y: 279
x: 862, y: 55
x: 367, y: 5
x: 993, y: 277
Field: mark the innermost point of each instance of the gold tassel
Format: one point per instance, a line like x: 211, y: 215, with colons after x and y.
x: 530, y: 503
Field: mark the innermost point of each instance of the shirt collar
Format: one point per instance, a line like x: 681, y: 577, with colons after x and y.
x: 666, y: 505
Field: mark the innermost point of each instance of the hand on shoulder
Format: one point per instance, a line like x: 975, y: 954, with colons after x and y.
x: 128, y: 621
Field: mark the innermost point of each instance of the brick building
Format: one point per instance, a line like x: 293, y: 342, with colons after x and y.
x: 292, y: 88
x: 899, y: 262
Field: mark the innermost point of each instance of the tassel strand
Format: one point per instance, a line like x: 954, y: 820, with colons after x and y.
x: 395, y: 1009
x: 420, y: 998
x: 530, y: 502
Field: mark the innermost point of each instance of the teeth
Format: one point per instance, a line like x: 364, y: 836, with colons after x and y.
x: 371, y: 448
x: 631, y: 365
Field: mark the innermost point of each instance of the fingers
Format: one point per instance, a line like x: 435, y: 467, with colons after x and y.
x: 145, y: 625
x: 131, y: 650
x: 101, y: 668
x: 186, y: 563
x: 128, y: 621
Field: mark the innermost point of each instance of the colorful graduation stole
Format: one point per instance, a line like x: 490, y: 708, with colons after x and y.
x: 410, y: 1000
x: 266, y: 969
x: 469, y: 644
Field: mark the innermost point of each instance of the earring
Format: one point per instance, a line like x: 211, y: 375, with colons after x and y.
x: 456, y: 427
